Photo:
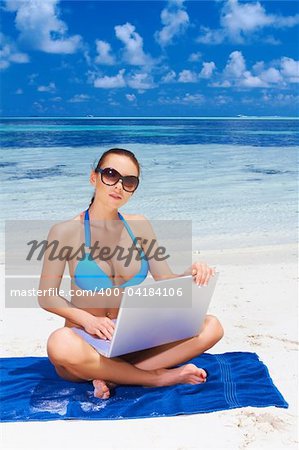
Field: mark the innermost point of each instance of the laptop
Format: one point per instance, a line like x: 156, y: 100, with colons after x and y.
x: 174, y: 309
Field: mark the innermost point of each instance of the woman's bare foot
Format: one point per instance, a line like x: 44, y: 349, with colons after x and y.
x: 102, y: 388
x: 187, y: 374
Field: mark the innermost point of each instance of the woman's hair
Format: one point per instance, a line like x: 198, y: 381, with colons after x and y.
x: 116, y: 151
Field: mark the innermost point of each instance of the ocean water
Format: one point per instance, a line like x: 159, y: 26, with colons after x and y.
x: 235, y: 178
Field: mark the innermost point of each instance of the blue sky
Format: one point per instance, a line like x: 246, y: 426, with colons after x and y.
x: 158, y: 58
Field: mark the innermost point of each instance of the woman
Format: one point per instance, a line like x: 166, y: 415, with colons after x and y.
x: 115, y: 179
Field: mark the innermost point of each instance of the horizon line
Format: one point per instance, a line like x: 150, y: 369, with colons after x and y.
x: 238, y: 116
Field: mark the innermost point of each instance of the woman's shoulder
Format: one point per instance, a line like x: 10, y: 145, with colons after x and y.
x: 63, y: 229
x: 140, y: 225
x: 134, y: 217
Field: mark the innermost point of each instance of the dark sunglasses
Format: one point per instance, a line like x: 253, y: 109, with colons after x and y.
x: 110, y: 177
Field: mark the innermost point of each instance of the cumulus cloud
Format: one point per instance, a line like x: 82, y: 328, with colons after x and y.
x: 56, y: 99
x: 209, y: 36
x: 133, y: 42
x: 104, y: 55
x: 107, y: 82
x: 131, y: 97
x: 49, y: 88
x: 194, y: 57
x: 175, y: 21
x: 290, y: 69
x: 40, y: 27
x: 9, y: 53
x: 235, y: 66
x: 187, y: 76
x: 187, y: 99
x: 79, y: 98
x: 170, y: 77
x: 280, y: 99
x: 279, y: 73
x: 235, y: 73
x: 207, y: 69
x: 238, y: 21
x: 141, y: 81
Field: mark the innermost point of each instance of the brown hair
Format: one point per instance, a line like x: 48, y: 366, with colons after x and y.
x: 116, y: 151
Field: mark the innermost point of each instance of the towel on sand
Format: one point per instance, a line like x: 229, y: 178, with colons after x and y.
x: 32, y: 391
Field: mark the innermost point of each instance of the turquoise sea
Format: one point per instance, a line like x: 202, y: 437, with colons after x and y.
x: 235, y: 178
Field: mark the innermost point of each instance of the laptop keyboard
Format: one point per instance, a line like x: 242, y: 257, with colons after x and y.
x: 96, y: 342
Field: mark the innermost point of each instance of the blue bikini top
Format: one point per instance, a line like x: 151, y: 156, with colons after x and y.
x: 89, y: 276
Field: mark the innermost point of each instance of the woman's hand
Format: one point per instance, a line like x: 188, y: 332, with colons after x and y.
x: 201, y: 273
x: 102, y: 327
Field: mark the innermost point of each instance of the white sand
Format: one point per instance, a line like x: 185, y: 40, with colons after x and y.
x: 256, y: 300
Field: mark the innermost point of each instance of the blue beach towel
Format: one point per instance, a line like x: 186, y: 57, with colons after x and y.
x: 32, y: 391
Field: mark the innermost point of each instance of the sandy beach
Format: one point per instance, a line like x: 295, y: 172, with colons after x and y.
x: 256, y: 300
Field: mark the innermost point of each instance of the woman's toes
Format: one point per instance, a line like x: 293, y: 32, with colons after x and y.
x: 203, y: 374
x: 101, y: 389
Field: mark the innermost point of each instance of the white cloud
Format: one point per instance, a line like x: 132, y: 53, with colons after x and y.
x: 271, y: 75
x: 107, y: 82
x: 170, y: 77
x: 19, y: 91
x: 207, y: 69
x: 79, y: 98
x: 9, y: 53
x: 56, y: 99
x: 258, y: 67
x: 131, y: 97
x: 141, y: 81
x: 222, y: 99
x: 238, y: 21
x: 280, y: 99
x: 187, y: 99
x: 235, y: 66
x: 194, y: 57
x: 193, y: 98
x: 175, y: 21
x: 133, y: 52
x: 241, y: 18
x: 104, y: 53
x: 278, y: 74
x: 290, y: 69
x: 271, y: 40
x: 187, y: 76
x: 221, y: 84
x: 50, y: 88
x: 209, y: 36
x: 40, y: 26
x: 251, y: 81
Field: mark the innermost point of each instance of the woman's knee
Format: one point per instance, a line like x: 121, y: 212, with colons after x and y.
x: 63, y: 346
x: 213, y: 323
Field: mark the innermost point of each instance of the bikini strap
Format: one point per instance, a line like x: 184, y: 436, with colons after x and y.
x: 128, y: 228
x: 135, y: 241
x: 87, y: 229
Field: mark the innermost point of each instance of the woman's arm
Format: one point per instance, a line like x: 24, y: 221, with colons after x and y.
x: 52, y: 273
x: 160, y: 270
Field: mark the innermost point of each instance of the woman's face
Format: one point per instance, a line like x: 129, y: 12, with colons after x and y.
x: 115, y: 195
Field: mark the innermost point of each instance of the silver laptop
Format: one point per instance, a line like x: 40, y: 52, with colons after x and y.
x: 174, y: 309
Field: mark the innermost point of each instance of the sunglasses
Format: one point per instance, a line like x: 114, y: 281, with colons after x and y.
x: 110, y: 177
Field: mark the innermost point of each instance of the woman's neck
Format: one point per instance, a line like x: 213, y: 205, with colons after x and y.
x: 101, y: 212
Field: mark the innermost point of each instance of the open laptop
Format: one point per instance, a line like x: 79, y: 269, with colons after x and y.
x: 176, y: 311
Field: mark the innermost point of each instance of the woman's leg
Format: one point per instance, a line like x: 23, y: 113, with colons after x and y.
x: 76, y: 360
x: 169, y: 355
